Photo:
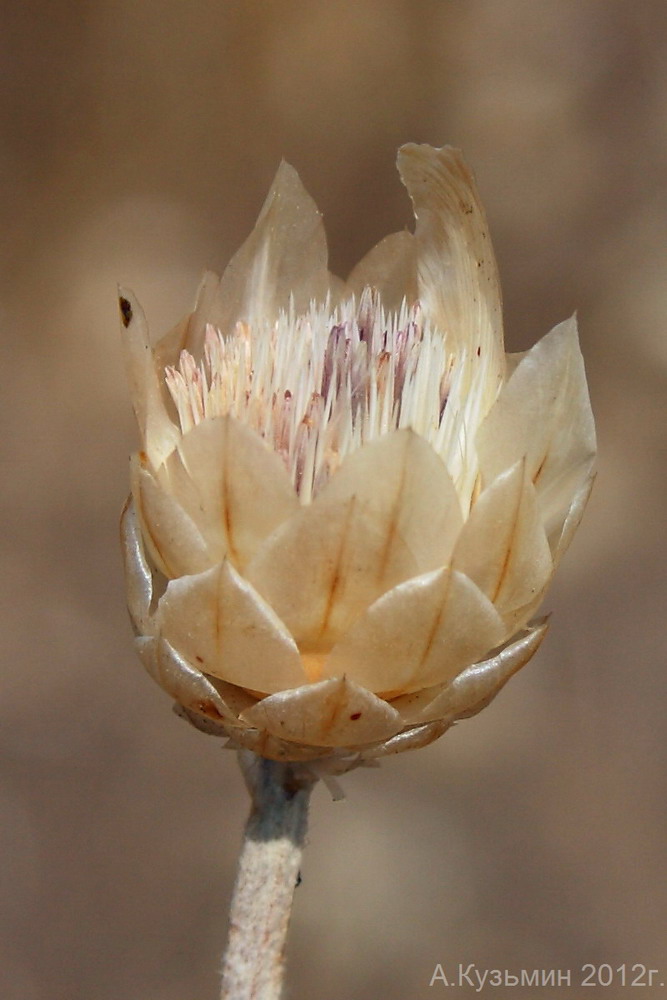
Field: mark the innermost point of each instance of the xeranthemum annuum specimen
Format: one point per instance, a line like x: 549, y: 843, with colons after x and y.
x: 349, y: 501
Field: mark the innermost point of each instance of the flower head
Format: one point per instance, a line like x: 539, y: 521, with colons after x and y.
x: 349, y: 501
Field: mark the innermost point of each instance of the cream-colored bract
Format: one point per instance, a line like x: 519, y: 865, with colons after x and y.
x: 348, y: 503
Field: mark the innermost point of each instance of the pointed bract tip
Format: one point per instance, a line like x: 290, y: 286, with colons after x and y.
x: 423, y: 150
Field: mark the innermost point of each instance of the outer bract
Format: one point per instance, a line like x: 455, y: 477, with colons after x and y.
x: 349, y: 502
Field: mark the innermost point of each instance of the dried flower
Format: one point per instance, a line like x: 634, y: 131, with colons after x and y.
x: 349, y: 502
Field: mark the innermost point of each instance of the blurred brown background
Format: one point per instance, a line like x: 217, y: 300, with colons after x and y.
x: 140, y: 138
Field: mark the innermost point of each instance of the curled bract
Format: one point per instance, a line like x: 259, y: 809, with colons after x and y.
x: 348, y: 502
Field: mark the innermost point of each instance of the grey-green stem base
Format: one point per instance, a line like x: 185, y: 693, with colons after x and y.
x: 253, y: 964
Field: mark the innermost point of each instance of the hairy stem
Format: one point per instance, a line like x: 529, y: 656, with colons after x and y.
x: 253, y: 964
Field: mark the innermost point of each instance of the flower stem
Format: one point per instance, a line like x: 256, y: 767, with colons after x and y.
x: 253, y: 964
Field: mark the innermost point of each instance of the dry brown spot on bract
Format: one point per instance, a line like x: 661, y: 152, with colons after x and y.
x: 125, y: 311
